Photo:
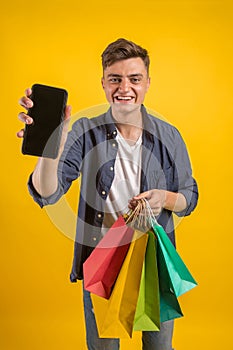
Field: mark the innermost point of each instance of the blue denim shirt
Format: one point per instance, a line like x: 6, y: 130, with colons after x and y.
x: 91, y: 150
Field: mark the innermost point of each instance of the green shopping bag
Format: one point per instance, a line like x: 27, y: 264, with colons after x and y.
x: 147, y: 316
x: 169, y: 305
x: 181, y: 279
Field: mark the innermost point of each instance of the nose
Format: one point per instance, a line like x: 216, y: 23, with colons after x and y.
x: 124, y: 86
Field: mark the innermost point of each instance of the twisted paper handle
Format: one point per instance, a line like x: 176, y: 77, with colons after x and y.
x: 151, y: 215
x: 142, y: 215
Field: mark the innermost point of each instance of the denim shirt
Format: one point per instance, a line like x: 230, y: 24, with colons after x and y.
x: 91, y: 150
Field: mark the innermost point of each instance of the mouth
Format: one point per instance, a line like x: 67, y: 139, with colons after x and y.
x: 123, y: 99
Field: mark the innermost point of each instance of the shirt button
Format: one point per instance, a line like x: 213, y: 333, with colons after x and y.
x: 99, y: 215
x: 94, y: 238
x: 103, y: 193
x: 111, y: 168
x: 113, y: 145
x: 114, y: 132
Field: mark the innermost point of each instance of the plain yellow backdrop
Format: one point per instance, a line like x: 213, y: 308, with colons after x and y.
x: 59, y: 43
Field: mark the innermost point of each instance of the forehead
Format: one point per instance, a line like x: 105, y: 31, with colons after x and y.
x: 127, y: 66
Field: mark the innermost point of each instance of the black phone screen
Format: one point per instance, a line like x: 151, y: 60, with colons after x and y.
x: 42, y: 138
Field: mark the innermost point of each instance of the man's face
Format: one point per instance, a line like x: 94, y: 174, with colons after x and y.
x: 126, y: 82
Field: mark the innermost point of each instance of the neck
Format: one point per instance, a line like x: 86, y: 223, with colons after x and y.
x: 128, y: 120
x: 131, y: 135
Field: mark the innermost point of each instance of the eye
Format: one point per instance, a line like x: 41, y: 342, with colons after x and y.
x: 114, y: 80
x: 135, y: 80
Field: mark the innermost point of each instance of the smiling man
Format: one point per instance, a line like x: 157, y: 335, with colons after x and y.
x: 125, y: 83
x: 122, y: 155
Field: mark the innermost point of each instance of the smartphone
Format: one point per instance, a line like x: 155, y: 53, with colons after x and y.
x: 42, y: 138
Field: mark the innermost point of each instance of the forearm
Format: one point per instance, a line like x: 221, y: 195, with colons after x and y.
x: 44, y: 177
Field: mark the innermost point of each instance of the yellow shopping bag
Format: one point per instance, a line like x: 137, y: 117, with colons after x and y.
x: 115, y: 316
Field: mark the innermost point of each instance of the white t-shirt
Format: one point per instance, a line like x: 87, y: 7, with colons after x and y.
x: 126, y: 182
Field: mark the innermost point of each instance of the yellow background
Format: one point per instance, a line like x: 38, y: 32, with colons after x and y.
x: 59, y: 43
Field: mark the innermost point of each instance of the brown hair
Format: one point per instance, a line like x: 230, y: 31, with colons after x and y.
x: 122, y: 49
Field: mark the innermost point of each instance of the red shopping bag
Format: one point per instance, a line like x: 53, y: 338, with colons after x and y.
x: 103, y: 265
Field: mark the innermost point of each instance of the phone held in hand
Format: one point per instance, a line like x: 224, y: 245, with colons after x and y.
x: 42, y: 138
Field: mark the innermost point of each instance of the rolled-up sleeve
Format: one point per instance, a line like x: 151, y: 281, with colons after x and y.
x: 42, y: 201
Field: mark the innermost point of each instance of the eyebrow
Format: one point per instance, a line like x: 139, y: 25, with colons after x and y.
x: 128, y: 76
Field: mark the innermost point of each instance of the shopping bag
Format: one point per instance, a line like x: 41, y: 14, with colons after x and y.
x: 103, y: 265
x: 115, y: 316
x: 181, y: 279
x: 169, y: 305
x: 147, y: 316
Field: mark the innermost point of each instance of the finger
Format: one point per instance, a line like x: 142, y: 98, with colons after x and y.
x: 20, y: 133
x: 131, y: 205
x: 66, y: 119
x: 68, y: 112
x: 146, y: 195
x: 134, y: 201
x: 28, y: 92
x: 25, y: 118
x: 26, y: 102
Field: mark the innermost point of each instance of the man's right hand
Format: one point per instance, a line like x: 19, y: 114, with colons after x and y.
x: 27, y: 103
x: 45, y: 173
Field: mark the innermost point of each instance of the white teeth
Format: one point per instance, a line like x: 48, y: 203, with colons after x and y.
x: 124, y: 98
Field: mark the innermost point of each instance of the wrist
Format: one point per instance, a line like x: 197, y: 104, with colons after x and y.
x: 163, y: 195
x: 174, y: 201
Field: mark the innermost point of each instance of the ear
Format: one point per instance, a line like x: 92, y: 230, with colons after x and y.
x: 103, y: 83
x: 148, y: 83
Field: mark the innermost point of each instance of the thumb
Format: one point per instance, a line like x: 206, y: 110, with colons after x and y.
x: 146, y: 195
x: 68, y: 112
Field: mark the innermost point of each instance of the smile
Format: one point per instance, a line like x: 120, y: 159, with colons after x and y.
x: 123, y: 98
